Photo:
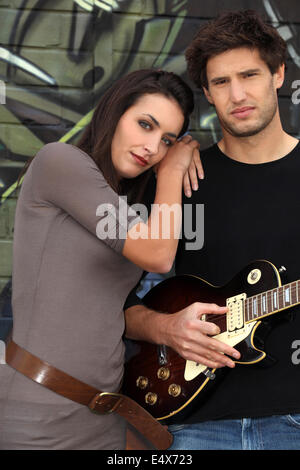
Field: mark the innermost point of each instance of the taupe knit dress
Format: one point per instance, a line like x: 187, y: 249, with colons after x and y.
x: 69, y: 288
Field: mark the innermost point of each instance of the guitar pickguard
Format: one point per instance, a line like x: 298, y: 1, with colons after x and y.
x: 192, y: 369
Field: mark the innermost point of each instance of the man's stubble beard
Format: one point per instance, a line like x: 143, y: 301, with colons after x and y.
x: 263, y: 122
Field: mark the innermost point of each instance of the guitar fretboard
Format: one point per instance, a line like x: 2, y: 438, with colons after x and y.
x: 272, y: 301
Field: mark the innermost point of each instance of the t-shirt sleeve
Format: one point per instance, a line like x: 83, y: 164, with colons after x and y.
x: 68, y: 178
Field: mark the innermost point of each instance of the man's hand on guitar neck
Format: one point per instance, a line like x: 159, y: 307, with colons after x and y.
x: 183, y: 331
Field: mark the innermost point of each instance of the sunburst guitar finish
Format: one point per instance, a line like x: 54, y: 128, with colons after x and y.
x: 162, y: 381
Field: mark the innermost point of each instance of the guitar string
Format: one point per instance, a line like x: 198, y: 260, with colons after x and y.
x: 294, y: 288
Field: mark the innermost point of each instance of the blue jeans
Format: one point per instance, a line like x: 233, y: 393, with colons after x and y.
x: 270, y: 433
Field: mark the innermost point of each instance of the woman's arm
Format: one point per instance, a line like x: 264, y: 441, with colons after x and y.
x: 64, y: 176
x: 155, y: 248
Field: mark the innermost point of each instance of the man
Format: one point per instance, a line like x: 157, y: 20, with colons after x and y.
x: 251, y: 199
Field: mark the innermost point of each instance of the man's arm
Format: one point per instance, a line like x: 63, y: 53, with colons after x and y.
x: 183, y: 331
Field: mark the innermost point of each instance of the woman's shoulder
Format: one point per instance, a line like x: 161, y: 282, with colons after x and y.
x: 58, y: 161
x: 61, y: 154
x: 61, y: 148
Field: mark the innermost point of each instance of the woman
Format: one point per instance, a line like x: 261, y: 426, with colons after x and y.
x: 73, y: 267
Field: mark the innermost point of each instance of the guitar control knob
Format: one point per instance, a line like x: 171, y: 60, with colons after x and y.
x: 151, y: 398
x: 142, y: 382
x: 174, y: 390
x: 163, y: 373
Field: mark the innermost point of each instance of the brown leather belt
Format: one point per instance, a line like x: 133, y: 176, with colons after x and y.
x: 97, y: 401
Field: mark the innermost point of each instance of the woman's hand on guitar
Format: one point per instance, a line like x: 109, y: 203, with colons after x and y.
x: 192, y: 337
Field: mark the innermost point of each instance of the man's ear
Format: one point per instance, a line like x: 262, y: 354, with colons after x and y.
x: 279, y: 76
x: 207, y: 94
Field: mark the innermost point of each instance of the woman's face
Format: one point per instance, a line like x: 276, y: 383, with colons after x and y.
x: 144, y: 134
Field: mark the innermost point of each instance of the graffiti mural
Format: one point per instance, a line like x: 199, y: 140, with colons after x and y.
x: 57, y: 57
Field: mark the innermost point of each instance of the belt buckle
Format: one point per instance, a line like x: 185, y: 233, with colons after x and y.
x: 105, y: 402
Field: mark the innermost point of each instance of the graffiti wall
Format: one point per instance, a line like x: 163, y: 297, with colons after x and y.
x: 57, y: 57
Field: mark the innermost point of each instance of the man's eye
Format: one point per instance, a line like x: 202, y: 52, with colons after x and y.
x: 220, y: 82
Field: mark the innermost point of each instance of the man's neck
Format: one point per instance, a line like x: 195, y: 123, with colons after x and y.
x: 260, y: 148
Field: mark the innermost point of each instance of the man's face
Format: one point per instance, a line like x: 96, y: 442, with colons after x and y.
x: 243, y: 91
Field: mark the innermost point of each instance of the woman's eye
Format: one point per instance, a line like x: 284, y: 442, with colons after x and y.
x: 167, y: 141
x: 145, y: 124
x: 148, y: 126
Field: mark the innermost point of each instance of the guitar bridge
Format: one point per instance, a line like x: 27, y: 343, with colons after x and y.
x: 235, y: 314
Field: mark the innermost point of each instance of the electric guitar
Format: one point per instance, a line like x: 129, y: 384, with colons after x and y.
x: 162, y: 381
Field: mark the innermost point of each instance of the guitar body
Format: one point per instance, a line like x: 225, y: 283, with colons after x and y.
x: 162, y: 381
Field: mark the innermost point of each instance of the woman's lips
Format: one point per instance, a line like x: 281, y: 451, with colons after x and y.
x: 139, y: 159
x: 242, y: 112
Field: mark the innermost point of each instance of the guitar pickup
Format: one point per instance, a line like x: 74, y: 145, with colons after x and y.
x: 235, y: 314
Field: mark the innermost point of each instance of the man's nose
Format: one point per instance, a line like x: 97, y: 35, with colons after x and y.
x: 237, y: 91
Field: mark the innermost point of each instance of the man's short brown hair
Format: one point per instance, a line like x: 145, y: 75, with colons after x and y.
x: 229, y: 31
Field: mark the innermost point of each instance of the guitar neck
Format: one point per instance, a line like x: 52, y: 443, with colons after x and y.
x: 272, y: 301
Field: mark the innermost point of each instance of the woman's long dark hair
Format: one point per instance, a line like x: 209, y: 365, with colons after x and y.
x: 97, y: 138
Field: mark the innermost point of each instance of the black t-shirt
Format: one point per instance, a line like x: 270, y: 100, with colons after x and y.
x: 251, y: 212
